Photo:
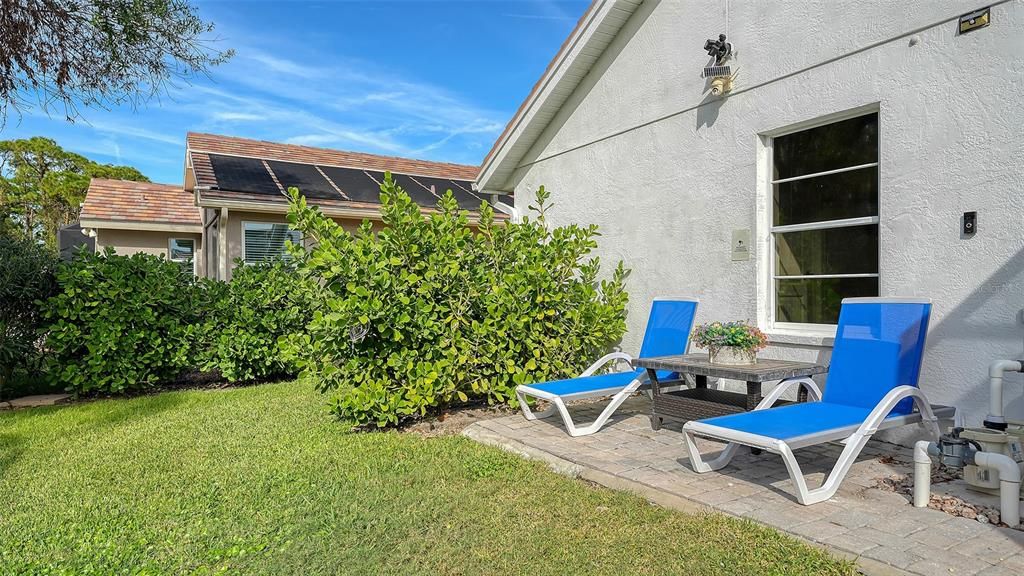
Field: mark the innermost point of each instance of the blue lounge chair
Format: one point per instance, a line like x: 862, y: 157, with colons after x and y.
x: 872, y: 385
x: 668, y: 332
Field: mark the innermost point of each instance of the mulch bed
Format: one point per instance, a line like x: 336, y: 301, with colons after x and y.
x: 453, y: 421
x: 952, y: 505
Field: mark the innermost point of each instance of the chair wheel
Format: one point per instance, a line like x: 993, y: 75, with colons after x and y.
x: 656, y: 422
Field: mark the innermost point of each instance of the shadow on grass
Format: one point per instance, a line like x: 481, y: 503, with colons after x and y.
x: 11, y: 447
x: 19, y: 429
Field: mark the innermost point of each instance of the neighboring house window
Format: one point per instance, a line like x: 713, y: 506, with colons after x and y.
x: 824, y: 232
x: 265, y: 241
x: 182, y: 249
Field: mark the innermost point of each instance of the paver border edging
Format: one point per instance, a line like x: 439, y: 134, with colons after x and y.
x: 483, y: 435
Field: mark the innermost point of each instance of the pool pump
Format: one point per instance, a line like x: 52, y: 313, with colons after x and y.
x: 990, y: 457
x: 955, y: 451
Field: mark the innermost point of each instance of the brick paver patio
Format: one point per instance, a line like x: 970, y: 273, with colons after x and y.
x: 881, y: 529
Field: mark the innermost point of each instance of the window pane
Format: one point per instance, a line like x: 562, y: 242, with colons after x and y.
x: 834, y: 197
x: 850, y: 250
x: 837, y: 145
x: 182, y: 250
x: 266, y: 241
x: 817, y: 301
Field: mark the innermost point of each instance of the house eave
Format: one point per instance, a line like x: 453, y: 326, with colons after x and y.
x: 592, y: 35
x: 352, y: 212
x: 145, y: 226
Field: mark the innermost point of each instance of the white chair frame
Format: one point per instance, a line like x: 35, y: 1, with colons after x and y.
x: 854, y: 437
x: 557, y: 403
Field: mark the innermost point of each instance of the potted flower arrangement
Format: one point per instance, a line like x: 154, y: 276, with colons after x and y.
x: 730, y: 342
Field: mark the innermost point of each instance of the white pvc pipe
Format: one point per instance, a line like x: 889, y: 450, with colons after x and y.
x: 995, y: 387
x: 1009, y: 483
x: 922, y: 474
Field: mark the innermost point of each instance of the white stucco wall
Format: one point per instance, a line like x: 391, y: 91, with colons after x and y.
x: 668, y: 173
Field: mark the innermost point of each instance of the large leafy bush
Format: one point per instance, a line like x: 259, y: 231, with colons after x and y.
x: 247, y: 316
x: 120, y: 323
x: 429, y: 311
x: 26, y: 278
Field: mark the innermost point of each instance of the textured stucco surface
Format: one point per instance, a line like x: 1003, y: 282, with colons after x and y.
x: 668, y: 178
x: 127, y: 242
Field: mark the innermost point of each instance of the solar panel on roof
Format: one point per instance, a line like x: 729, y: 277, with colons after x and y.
x: 242, y: 175
x: 363, y: 186
x: 305, y: 177
x: 355, y: 183
x: 464, y: 184
x: 418, y: 193
x: 466, y: 200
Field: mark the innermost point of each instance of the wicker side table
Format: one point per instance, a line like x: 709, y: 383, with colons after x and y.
x: 703, y: 402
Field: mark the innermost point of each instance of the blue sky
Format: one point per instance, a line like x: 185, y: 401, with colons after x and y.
x: 423, y: 79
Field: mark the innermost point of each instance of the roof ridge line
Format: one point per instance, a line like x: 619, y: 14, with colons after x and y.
x: 328, y: 165
x: 332, y: 150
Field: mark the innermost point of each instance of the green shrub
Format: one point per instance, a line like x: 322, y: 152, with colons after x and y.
x: 247, y: 316
x: 120, y: 323
x: 428, y: 312
x: 26, y: 279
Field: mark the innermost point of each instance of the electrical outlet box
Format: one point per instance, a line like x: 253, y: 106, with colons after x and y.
x: 741, y: 244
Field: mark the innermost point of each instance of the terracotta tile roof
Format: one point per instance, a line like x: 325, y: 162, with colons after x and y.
x: 233, y: 146
x: 139, y: 202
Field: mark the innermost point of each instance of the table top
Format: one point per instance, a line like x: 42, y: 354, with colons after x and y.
x: 764, y: 370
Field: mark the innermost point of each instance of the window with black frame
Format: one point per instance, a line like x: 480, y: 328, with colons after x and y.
x: 824, y: 230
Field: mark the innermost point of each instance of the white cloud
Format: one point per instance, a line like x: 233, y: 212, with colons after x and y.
x: 284, y: 65
x: 288, y: 96
x: 349, y: 103
x: 114, y: 128
x: 236, y: 117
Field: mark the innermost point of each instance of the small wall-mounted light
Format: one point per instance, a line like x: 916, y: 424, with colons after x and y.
x: 722, y: 78
x: 721, y: 75
x: 975, y: 20
x: 718, y: 49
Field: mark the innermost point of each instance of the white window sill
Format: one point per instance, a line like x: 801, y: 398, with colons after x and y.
x: 822, y: 338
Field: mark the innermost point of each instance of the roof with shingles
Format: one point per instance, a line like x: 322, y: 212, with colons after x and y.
x: 200, y: 146
x: 124, y: 200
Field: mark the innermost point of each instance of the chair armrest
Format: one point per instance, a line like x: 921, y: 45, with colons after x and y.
x: 604, y: 360
x: 881, y: 410
x: 812, y: 391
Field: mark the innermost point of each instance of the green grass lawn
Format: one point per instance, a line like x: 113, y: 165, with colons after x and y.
x: 262, y: 481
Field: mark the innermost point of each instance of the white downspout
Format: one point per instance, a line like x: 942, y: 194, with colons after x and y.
x: 492, y: 199
x: 222, y: 246
x: 512, y: 211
